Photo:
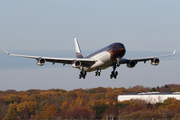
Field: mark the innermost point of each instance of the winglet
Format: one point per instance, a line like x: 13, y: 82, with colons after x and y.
x: 6, y: 52
x: 174, y: 52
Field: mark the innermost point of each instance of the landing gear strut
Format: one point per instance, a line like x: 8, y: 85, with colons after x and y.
x: 98, y: 72
x: 114, y: 73
x: 82, y: 74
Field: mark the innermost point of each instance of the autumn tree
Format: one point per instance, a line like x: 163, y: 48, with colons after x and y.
x: 46, y: 104
x: 13, y: 98
x: 3, y: 108
x: 176, y: 116
x: 12, y: 112
x: 49, y: 111
x: 26, y: 109
x: 64, y: 105
x: 111, y: 113
x: 78, y: 113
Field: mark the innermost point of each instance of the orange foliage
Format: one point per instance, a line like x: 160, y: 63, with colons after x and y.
x: 48, y: 104
x: 49, y: 111
x: 65, y: 105
x: 27, y: 104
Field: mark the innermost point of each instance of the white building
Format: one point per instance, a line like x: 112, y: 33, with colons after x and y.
x: 152, y: 97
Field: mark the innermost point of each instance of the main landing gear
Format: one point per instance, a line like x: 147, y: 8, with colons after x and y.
x: 98, y: 72
x: 82, y: 74
x: 114, y: 73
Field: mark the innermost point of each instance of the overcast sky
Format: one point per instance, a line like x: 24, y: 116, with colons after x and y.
x: 46, y: 28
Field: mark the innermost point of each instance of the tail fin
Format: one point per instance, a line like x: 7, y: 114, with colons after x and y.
x: 77, y: 48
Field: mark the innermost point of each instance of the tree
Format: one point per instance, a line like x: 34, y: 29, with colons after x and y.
x: 153, y: 90
x: 111, y: 112
x: 176, y: 116
x: 26, y: 109
x: 99, y: 109
x: 13, y: 98
x: 78, y: 113
x: 12, y: 111
x: 3, y: 108
x: 49, y: 111
x: 166, y: 86
x: 168, y: 101
x: 111, y: 95
x: 64, y: 105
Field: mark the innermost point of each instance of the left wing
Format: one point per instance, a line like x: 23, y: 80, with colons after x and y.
x: 84, y: 61
x: 154, y: 59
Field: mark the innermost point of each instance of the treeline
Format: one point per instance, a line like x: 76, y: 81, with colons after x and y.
x: 95, y: 103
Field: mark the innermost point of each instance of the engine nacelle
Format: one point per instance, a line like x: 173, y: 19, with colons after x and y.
x: 41, y: 61
x: 131, y: 64
x: 76, y: 64
x: 155, y: 61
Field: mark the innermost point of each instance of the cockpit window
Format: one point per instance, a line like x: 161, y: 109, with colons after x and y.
x: 117, y: 46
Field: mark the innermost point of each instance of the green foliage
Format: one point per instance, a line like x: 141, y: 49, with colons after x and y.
x: 168, y: 101
x: 99, y: 109
x: 42, y: 103
x: 166, y: 86
x: 150, y: 105
x: 153, y: 90
x: 159, y: 104
x: 121, y: 105
x: 13, y: 99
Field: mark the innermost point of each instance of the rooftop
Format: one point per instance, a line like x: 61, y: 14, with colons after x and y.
x: 155, y: 93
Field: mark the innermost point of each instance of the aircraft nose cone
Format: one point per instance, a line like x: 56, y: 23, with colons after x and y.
x: 118, y: 51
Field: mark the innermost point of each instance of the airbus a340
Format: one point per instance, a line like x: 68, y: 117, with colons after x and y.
x: 110, y: 56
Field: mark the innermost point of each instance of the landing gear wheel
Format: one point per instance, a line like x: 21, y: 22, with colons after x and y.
x: 99, y: 73
x: 111, y: 76
x: 116, y: 72
x: 79, y: 76
x: 112, y: 73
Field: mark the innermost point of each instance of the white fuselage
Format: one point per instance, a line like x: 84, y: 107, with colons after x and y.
x: 103, y: 62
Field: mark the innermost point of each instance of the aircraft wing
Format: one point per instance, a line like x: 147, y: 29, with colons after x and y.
x: 86, y: 62
x: 126, y: 60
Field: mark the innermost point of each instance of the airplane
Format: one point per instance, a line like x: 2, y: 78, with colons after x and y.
x: 110, y: 56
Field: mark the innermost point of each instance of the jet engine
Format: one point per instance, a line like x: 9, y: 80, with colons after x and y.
x: 131, y: 64
x: 41, y: 61
x: 155, y: 61
x: 76, y: 64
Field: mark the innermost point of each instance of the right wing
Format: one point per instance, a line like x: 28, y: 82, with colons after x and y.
x: 84, y: 61
x: 126, y: 60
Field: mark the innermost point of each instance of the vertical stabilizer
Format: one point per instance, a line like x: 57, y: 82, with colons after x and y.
x: 77, y: 48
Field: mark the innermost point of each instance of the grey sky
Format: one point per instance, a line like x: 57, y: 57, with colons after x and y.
x: 46, y: 26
